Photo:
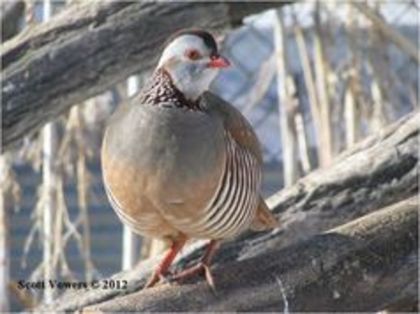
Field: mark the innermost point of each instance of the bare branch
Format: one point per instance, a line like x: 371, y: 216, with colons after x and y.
x: 354, y: 267
x: 11, y: 12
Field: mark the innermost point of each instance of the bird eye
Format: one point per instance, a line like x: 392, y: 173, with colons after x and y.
x: 193, y: 54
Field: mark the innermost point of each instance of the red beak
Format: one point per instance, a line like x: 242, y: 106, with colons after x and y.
x: 218, y: 61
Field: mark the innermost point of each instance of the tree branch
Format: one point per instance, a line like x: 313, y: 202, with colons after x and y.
x: 376, y: 172
x: 380, y: 170
x: 354, y: 267
x: 11, y: 12
x: 89, y: 47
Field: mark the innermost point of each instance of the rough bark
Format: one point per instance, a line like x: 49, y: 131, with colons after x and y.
x: 11, y: 12
x: 364, y: 265
x: 377, y: 172
x: 89, y: 47
x: 368, y: 264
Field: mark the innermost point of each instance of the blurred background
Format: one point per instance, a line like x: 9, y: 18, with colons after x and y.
x: 312, y: 77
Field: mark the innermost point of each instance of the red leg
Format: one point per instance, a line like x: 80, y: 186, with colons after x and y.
x: 166, y: 262
x: 202, y: 266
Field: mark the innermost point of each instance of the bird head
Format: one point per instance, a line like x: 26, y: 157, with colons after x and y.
x: 192, y: 60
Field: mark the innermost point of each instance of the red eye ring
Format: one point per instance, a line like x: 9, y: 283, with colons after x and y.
x: 193, y: 54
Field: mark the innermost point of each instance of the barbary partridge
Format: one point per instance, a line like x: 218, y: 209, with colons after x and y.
x: 179, y: 162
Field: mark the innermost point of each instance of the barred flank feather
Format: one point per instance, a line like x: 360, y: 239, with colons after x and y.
x: 236, y: 200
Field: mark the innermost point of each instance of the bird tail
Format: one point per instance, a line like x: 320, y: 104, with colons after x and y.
x: 264, y: 218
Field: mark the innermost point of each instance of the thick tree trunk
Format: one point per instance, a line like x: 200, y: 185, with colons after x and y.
x: 89, y: 47
x: 377, y: 172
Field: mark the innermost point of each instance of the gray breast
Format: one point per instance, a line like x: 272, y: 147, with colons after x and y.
x: 179, y: 144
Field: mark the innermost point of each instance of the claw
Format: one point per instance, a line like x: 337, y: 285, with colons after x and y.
x: 156, y: 279
x: 209, y: 278
x: 161, y: 272
x: 201, y: 267
x: 153, y: 280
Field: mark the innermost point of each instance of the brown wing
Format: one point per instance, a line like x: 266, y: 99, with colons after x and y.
x: 242, y: 132
x: 235, y: 123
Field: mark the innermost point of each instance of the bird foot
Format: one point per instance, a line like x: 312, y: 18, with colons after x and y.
x: 157, y: 279
x: 194, y: 271
x: 162, y: 269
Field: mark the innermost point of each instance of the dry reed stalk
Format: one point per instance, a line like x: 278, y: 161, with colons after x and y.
x: 389, y: 32
x: 4, y: 239
x: 302, y: 142
x: 58, y: 249
x: 351, y: 110
x: 49, y: 177
x: 51, y: 195
x: 333, y: 86
x: 74, y: 129
x: 382, y: 73
x: 65, y: 224
x: 286, y: 110
x: 36, y: 230
x: 309, y: 80
x: 29, y: 13
x: 50, y: 184
x: 350, y: 117
x: 378, y: 119
x: 75, y: 150
x: 83, y: 181
x: 83, y: 186
x: 59, y: 240
x: 50, y: 214
x: 414, y: 99
x: 264, y: 78
x: 379, y: 87
x: 321, y: 75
